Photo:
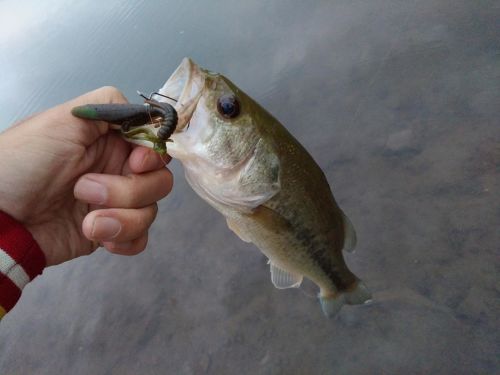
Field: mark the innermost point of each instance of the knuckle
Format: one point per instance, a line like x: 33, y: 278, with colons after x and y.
x: 109, y: 90
x: 127, y: 248
x: 112, y: 247
x: 112, y: 94
x: 153, y: 213
x: 169, y: 181
x: 155, y: 210
x: 134, y: 193
x: 142, y: 245
x: 143, y: 241
x: 142, y: 219
x: 146, y: 218
x: 136, y: 224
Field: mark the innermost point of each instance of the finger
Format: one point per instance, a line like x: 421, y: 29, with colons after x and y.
x: 131, y: 191
x: 118, y: 225
x: 143, y: 159
x: 128, y: 248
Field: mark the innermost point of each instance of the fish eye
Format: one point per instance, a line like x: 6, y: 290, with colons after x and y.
x: 228, y: 106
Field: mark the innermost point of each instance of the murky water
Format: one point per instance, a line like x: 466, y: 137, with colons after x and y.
x: 396, y: 100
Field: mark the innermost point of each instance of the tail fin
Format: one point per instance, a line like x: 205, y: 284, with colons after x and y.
x: 358, y: 295
x: 332, y: 305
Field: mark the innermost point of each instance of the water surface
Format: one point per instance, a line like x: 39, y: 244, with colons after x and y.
x: 398, y: 103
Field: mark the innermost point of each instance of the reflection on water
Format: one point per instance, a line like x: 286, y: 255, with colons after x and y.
x: 397, y: 101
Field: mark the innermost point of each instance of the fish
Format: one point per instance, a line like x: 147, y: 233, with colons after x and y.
x: 243, y: 162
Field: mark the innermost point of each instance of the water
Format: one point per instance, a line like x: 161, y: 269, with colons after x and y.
x: 396, y: 100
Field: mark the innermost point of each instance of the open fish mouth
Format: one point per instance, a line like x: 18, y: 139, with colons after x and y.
x: 183, y: 90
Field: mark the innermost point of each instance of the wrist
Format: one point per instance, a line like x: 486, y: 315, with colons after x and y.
x: 33, y: 234
x: 45, y: 244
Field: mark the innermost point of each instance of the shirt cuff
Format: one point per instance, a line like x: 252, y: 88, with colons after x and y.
x: 21, y: 260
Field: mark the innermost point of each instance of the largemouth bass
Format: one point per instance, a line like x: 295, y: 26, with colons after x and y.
x: 245, y: 164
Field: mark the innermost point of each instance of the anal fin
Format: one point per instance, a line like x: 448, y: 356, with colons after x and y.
x: 284, y: 279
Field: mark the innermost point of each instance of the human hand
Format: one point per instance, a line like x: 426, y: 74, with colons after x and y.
x: 76, y: 184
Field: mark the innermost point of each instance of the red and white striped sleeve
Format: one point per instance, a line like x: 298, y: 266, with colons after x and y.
x: 21, y: 260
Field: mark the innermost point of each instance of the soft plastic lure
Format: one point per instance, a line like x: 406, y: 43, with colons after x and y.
x: 131, y: 119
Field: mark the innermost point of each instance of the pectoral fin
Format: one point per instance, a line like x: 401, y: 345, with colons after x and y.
x: 284, y: 279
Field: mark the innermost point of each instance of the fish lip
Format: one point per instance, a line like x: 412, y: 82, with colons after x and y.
x: 185, y: 87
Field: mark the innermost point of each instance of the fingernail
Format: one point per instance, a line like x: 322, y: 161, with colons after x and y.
x: 105, y: 228
x: 91, y: 191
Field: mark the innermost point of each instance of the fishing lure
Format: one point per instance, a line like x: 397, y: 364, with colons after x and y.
x: 132, y: 117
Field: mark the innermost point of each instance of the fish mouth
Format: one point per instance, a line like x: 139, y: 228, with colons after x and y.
x: 182, y: 90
